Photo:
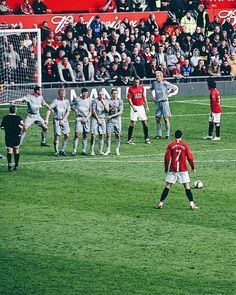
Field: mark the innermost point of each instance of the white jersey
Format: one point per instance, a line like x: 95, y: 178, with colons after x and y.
x: 60, y: 108
x: 161, y: 90
x: 115, y: 106
x: 34, y: 103
x: 82, y: 106
x: 99, y: 108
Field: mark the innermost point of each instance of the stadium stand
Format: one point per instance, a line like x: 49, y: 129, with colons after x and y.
x: 188, y: 44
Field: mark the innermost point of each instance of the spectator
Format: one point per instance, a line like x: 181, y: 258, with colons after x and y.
x: 189, y: 22
x: 65, y: 71
x: 204, y: 55
x: 165, y: 70
x: 215, y: 23
x: 186, y: 69
x: 75, y: 60
x: 80, y: 27
x: 171, y: 59
x: 161, y: 55
x: 45, y: 31
x: 142, y: 27
x: 82, y: 51
x: 126, y: 74
x: 96, y: 27
x: 214, y: 54
x: 22, y: 50
x: 111, y: 54
x: 24, y: 73
x: 88, y: 69
x: 4, y: 8
x: 122, y: 49
x: 114, y: 72
x: 99, y: 47
x: 139, y: 68
x: 71, y: 28
x: 49, y: 71
x: 202, y: 18
x: 151, y: 68
x: 88, y: 38
x: 79, y: 75
x: 110, y: 6
x: 232, y: 62
x: 214, y: 68
x: 26, y: 8
x: 232, y: 46
x: 176, y: 72
x: 153, y: 5
x: 197, y: 33
x: 125, y: 25
x: 138, y: 5
x: 200, y: 69
x: 195, y: 58
x: 15, y: 58
x: 9, y: 74
x: 102, y: 75
x: 66, y: 48
x: 225, y: 68
x: 228, y: 27
x: 223, y: 49
x: 153, y: 52
x: 178, y: 7
x: 39, y: 7
x: 104, y: 59
x: 123, y: 6
x: 151, y: 23
x: 27, y: 41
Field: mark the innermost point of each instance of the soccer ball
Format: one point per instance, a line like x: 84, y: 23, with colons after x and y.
x: 198, y: 184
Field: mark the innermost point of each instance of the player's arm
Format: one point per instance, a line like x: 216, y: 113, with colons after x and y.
x: 3, y: 123
x: 50, y: 108
x: 106, y: 106
x: 21, y: 124
x: 190, y: 158
x: 21, y: 99
x: 67, y: 113
x: 167, y: 159
x: 171, y: 87
x: 153, y: 93
x: 145, y: 102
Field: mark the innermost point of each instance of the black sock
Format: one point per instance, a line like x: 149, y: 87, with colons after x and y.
x: 217, y: 131
x: 189, y: 195
x: 130, y: 132
x: 210, y: 129
x: 145, y: 131
x: 9, y: 158
x: 16, y: 159
x: 164, y: 194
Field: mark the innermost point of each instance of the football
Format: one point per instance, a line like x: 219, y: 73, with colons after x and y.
x: 198, y: 184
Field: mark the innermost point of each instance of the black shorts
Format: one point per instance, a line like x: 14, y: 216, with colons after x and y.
x: 12, y: 141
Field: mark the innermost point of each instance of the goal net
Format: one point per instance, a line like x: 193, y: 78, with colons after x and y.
x: 20, y: 62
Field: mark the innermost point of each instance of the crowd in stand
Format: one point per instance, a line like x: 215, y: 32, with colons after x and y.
x: 189, y: 45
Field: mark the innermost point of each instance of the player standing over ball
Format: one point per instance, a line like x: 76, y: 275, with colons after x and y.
x: 114, y: 121
x: 137, y: 101
x: 176, y: 168
x: 159, y: 91
x: 34, y: 101
x: 12, y: 125
x: 99, y: 109
x: 61, y: 110
x: 82, y: 107
x: 216, y: 110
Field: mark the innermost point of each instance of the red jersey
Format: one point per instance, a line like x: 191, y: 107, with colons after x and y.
x: 176, y: 155
x: 136, y: 94
x: 215, y: 101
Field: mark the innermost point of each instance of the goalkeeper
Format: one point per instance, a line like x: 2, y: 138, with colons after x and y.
x: 34, y: 101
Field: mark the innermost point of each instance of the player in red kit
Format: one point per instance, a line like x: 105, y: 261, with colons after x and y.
x: 216, y: 110
x: 176, y: 167
x: 137, y: 101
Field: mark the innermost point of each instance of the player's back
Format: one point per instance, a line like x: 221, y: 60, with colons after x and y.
x: 11, y: 123
x: 176, y: 155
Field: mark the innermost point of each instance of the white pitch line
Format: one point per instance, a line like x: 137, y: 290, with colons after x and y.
x: 206, y: 104
x: 120, y: 162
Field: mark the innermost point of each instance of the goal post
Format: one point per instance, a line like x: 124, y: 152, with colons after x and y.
x: 20, y: 62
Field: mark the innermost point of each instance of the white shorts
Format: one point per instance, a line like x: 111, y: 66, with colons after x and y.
x: 139, y: 115
x: 98, y: 129
x: 214, y: 117
x: 182, y: 177
x: 61, y: 129
x: 114, y: 126
x: 81, y: 127
x: 33, y: 119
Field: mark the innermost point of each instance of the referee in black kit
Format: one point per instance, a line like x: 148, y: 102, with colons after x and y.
x: 12, y: 125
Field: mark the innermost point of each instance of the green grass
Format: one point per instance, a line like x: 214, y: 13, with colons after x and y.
x: 88, y: 225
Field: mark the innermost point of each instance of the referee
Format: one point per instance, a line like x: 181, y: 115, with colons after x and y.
x: 12, y: 125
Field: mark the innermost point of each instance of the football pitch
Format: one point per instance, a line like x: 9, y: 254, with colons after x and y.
x: 87, y: 225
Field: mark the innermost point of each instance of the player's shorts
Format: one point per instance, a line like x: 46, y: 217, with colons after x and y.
x: 11, y: 142
x: 214, y: 117
x: 163, y: 109
x: 183, y: 177
x: 114, y: 126
x: 60, y: 129
x: 139, y: 115
x: 98, y: 129
x: 33, y: 119
x: 81, y: 127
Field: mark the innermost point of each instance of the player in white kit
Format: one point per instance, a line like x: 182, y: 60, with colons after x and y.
x: 61, y: 110
x: 34, y: 101
x: 82, y: 107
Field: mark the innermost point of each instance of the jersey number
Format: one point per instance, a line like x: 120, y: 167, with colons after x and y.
x: 178, y: 154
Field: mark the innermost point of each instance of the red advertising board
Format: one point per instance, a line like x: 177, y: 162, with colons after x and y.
x: 57, y: 22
